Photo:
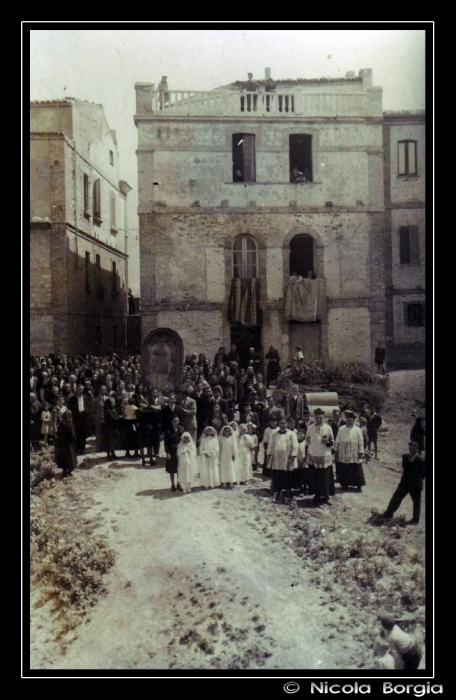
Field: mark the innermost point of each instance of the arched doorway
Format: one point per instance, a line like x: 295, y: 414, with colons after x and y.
x: 303, y: 257
x: 303, y: 262
x: 162, y: 358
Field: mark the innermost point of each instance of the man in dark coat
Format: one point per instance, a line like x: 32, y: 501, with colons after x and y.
x: 380, y: 356
x: 78, y: 404
x: 155, y: 421
x: 169, y: 411
x: 65, y: 453
x: 271, y: 411
x: 373, y: 426
x: 295, y: 405
x: 411, y: 483
x: 417, y: 434
x: 336, y: 422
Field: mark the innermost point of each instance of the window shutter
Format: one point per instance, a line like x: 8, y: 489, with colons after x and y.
x: 113, y: 212
x: 249, y: 157
x: 414, y: 250
x: 411, y: 158
x: 86, y: 192
x: 404, y: 245
x: 401, y: 153
x: 96, y: 199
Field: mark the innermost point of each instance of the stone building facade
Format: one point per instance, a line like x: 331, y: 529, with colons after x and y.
x: 78, y: 231
x: 405, y: 173
x: 257, y: 185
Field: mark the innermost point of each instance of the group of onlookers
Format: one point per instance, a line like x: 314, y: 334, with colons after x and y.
x: 74, y: 398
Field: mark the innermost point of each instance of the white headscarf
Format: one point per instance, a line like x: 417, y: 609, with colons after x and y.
x: 186, y: 447
x: 209, y: 444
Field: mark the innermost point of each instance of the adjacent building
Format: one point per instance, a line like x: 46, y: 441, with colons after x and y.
x: 78, y: 231
x: 242, y: 188
x: 404, y: 158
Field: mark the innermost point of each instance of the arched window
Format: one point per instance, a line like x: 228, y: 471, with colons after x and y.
x: 303, y: 256
x: 245, y: 258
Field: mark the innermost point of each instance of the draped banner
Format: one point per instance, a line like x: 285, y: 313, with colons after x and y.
x: 244, y: 302
x: 305, y: 300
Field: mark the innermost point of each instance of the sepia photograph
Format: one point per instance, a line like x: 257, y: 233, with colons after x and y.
x: 227, y: 350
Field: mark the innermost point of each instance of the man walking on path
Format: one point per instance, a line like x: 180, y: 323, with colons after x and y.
x: 411, y: 483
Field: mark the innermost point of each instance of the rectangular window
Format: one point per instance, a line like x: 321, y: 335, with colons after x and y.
x: 113, y: 214
x: 114, y: 278
x: 97, y: 202
x: 407, y: 158
x: 86, y: 196
x: 111, y: 157
x: 87, y: 273
x: 114, y: 336
x: 301, y: 158
x: 243, y: 158
x: 408, y: 245
x: 414, y: 315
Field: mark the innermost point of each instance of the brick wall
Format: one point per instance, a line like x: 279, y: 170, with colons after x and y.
x: 59, y: 287
x: 40, y: 270
x: 349, y: 334
x: 191, y: 162
x: 176, y: 277
x: 41, y: 334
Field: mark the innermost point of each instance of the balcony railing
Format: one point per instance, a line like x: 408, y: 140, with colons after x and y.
x: 231, y: 103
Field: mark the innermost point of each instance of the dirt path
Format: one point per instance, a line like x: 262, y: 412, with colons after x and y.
x: 210, y: 579
x: 196, y: 585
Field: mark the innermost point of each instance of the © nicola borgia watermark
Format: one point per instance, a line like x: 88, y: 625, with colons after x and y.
x: 417, y: 690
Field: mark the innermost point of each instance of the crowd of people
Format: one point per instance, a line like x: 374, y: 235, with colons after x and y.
x: 211, y: 428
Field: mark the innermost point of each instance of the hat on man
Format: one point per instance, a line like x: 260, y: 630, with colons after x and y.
x: 318, y: 412
x: 350, y: 413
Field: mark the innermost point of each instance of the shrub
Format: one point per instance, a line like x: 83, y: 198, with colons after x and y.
x: 353, y: 381
x: 66, y: 560
x: 321, y: 373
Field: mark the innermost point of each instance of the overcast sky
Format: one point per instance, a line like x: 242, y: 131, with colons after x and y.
x: 103, y: 65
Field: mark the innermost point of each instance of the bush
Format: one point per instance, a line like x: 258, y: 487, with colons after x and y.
x: 43, y: 471
x: 67, y: 561
x: 322, y: 373
x: 353, y: 381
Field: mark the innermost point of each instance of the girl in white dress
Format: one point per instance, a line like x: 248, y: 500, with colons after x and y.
x: 46, y: 423
x: 235, y: 428
x: 246, y: 447
x: 186, y: 462
x: 209, y: 451
x: 229, y: 456
x: 252, y: 430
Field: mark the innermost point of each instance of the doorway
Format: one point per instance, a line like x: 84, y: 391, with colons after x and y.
x: 308, y: 337
x: 302, y: 255
x: 245, y: 337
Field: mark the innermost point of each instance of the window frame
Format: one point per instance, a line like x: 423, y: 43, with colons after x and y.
x: 234, y: 138
x: 112, y: 213
x: 407, y: 143
x: 413, y: 246
x: 244, y: 237
x: 290, y: 139
x: 86, y: 186
x: 96, y: 203
x: 408, y: 313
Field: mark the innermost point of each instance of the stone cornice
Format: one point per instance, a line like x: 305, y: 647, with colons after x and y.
x: 249, y: 211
